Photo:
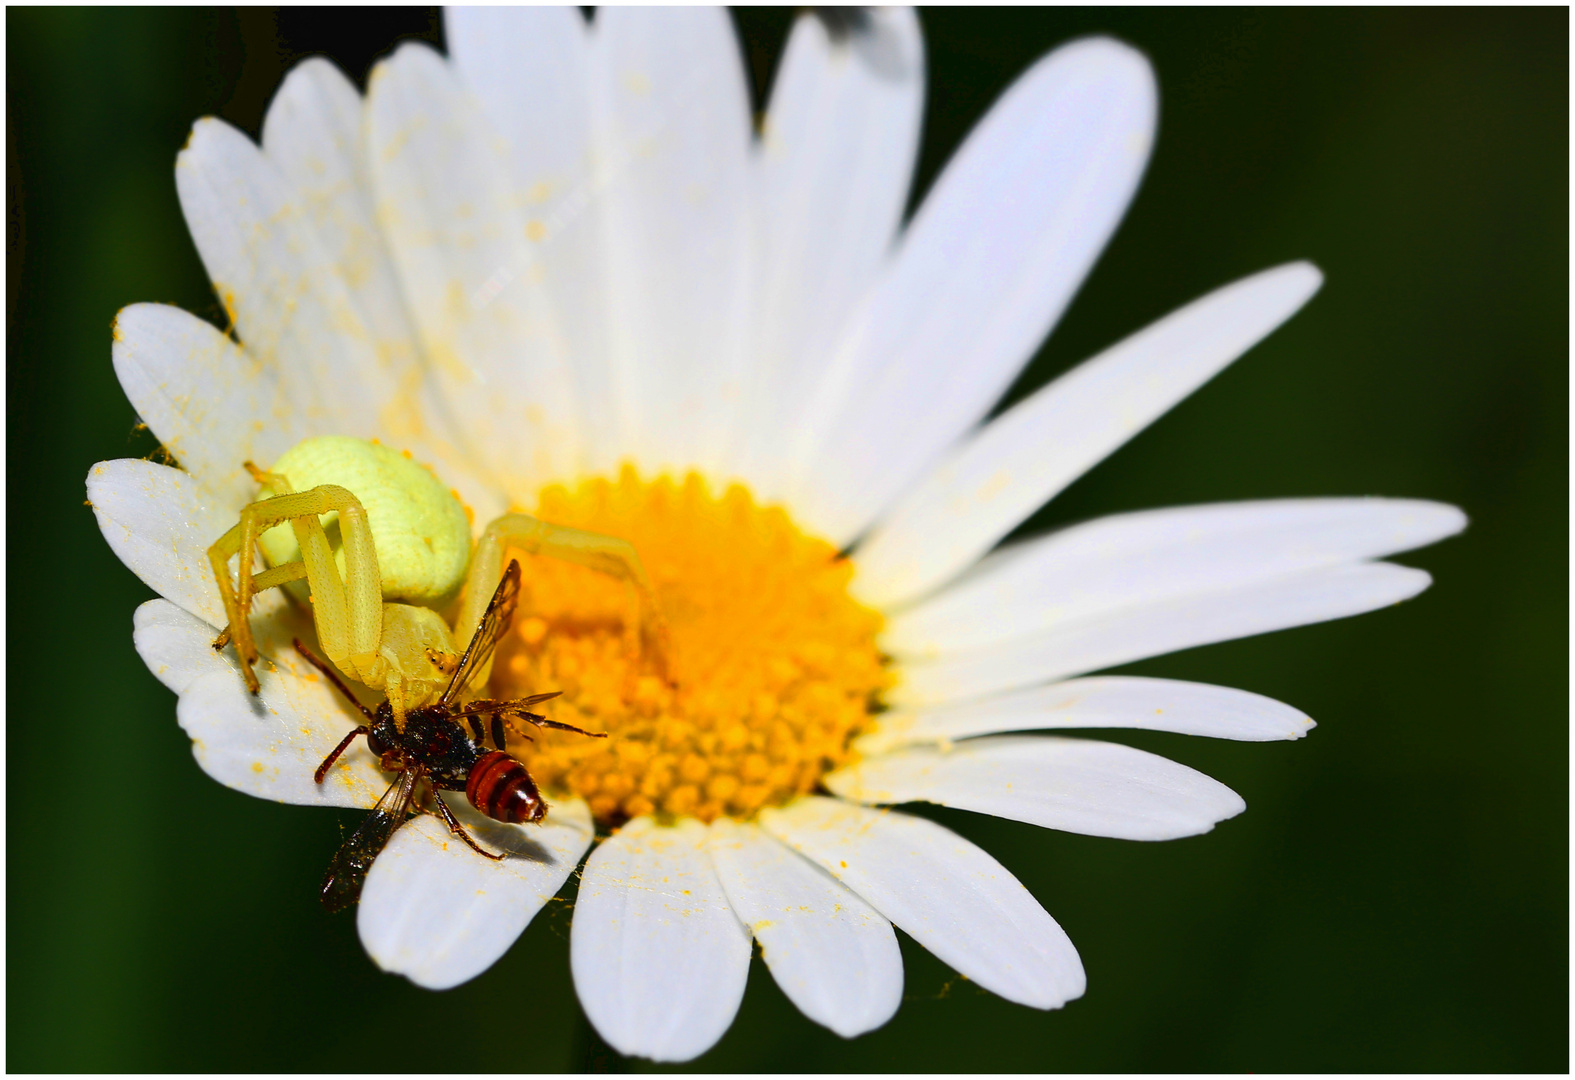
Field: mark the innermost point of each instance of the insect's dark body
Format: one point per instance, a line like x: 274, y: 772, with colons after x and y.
x: 495, y: 782
x: 436, y: 747
x: 432, y: 739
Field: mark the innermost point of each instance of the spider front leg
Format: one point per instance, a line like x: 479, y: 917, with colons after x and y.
x: 348, y: 614
x: 606, y: 554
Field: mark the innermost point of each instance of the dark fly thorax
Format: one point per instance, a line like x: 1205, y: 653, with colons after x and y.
x: 432, y: 739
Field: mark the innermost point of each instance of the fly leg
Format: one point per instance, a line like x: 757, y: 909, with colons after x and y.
x: 475, y: 728
x: 344, y: 744
x: 543, y: 722
x: 500, y: 711
x: 333, y: 677
x: 457, y: 829
x: 364, y: 729
x: 479, y: 731
x: 507, y: 709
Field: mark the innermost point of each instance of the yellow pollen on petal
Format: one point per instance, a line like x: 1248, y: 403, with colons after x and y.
x: 774, y: 666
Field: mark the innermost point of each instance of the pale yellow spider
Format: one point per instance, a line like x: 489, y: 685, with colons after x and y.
x: 404, y: 555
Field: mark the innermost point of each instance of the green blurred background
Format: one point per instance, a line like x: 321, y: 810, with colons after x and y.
x: 1396, y: 898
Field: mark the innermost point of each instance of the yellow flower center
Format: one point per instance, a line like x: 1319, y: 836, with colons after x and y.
x: 775, y: 665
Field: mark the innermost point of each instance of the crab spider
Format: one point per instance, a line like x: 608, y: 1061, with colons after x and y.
x: 405, y: 549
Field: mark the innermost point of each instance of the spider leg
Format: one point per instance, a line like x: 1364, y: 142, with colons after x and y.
x: 648, y: 637
x: 348, y: 614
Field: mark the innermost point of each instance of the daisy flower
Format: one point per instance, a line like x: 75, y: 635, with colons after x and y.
x: 564, y: 269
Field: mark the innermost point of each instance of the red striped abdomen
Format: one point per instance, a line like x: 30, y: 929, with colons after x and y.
x: 500, y: 787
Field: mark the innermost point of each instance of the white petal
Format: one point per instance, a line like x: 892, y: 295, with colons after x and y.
x: 984, y: 488
x: 469, y: 273
x: 673, y: 155
x: 287, y: 296
x: 832, y: 954
x: 952, y: 897
x: 1111, y: 701
x: 1153, y: 630
x: 986, y: 268
x: 832, y: 170
x: 1076, y: 785
x: 161, y: 522
x: 210, y: 404
x: 177, y: 646
x: 659, y: 958
x: 1134, y: 560
x: 437, y: 913
x: 529, y: 69
x: 315, y: 133
x: 270, y: 744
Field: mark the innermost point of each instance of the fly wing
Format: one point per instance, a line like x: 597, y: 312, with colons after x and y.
x: 347, y: 869
x: 494, y: 623
x: 483, y: 706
